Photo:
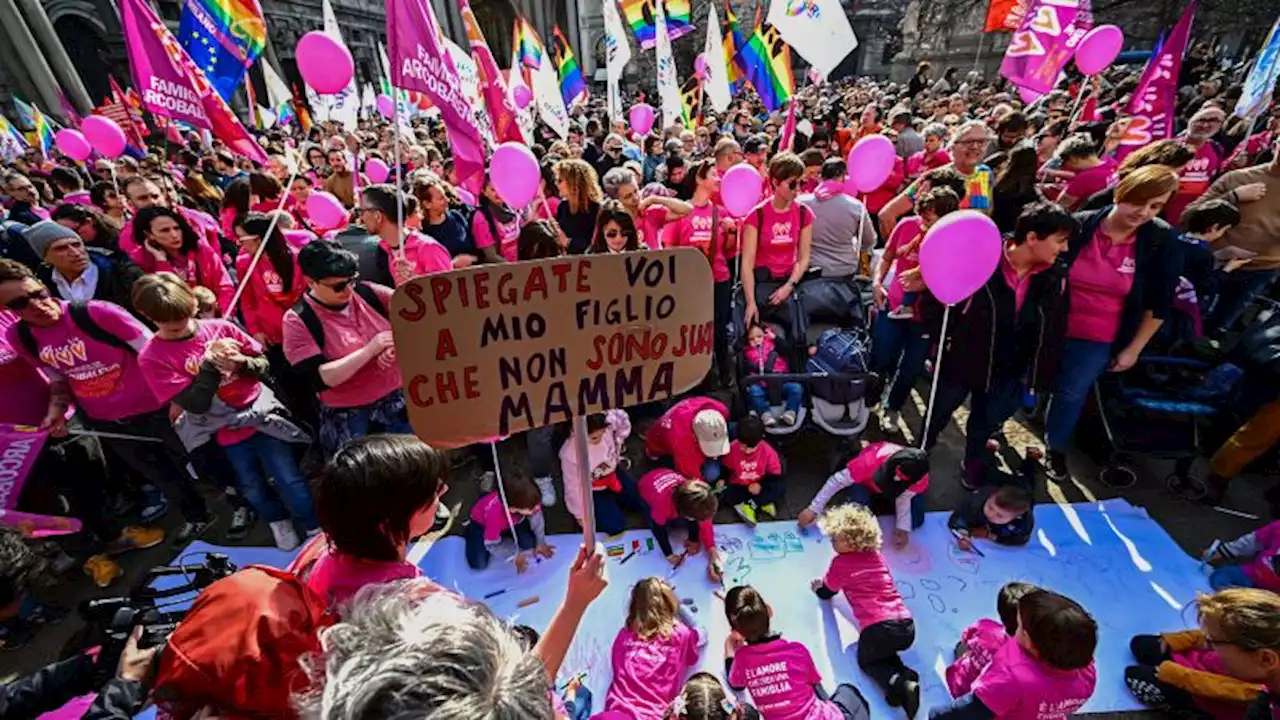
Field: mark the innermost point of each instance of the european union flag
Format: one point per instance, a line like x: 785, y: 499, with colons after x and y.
x: 223, y: 38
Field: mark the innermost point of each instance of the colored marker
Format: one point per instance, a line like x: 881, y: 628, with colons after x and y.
x: 576, y: 678
x: 628, y: 557
x: 972, y: 546
x: 495, y: 593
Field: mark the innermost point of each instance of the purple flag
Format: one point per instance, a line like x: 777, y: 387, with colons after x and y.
x: 1044, y: 43
x: 420, y: 62
x: 19, y: 447
x: 1153, y: 102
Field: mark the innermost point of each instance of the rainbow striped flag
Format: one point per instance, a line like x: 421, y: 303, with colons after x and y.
x: 639, y: 15
x: 43, y: 131
x: 572, y: 87
x: 767, y: 60
x: 691, y: 102
x: 528, y: 46
x: 223, y: 38
x: 733, y: 41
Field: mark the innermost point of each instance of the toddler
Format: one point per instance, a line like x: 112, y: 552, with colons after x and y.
x: 1248, y: 561
x: 885, y: 623
x: 206, y: 303
x: 902, y: 253
x: 1046, y: 673
x: 612, y: 489
x: 1003, y: 514
x: 675, y: 499
x: 1204, y: 225
x: 755, y: 473
x: 760, y: 357
x: 980, y: 641
x: 651, y: 653
x: 780, y: 674
x: 704, y: 698
x: 883, y: 471
x: 489, y: 521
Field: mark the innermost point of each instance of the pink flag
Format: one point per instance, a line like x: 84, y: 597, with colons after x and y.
x: 171, y: 84
x: 19, y: 447
x: 788, y: 139
x: 420, y: 62
x: 502, y: 112
x: 1152, y: 106
x: 1044, y: 43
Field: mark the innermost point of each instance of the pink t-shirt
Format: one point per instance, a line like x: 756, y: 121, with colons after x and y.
x: 982, y: 639
x: 508, y: 234
x: 868, y: 586
x: 902, y: 242
x: 346, y: 331
x: 1194, y: 179
x: 746, y: 468
x: 425, y: 256
x: 1101, y: 278
x: 657, y: 488
x: 780, y: 676
x: 1261, y: 569
x: 650, y: 225
x: 25, y: 390
x: 1087, y: 183
x: 1016, y: 686
x: 171, y: 365
x: 648, y: 674
x: 337, y: 577
x: 695, y: 231
x: 489, y: 514
x: 105, y: 380
x: 778, y: 243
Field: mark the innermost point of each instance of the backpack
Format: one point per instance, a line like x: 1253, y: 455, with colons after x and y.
x: 311, y: 321
x: 83, y: 320
x: 842, y: 351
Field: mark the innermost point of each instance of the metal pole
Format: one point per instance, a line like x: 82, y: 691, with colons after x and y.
x: 937, y: 373
x: 588, y: 508
x: 977, y: 57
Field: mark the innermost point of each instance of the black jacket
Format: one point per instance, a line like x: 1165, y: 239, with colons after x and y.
x: 986, y: 334
x: 972, y: 516
x: 53, y: 686
x: 1155, y: 272
x: 116, y: 276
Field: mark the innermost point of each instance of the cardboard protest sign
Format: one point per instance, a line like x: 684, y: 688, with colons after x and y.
x: 493, y: 350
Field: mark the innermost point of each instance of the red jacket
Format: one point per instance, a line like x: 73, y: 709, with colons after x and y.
x: 203, y: 267
x: 673, y: 435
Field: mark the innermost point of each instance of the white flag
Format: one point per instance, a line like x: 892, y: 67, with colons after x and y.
x: 267, y: 117
x: 546, y: 94
x: 469, y: 84
x: 277, y: 92
x: 618, y: 54
x: 343, y: 106
x: 668, y: 83
x: 816, y: 29
x: 368, y: 100
x: 716, y: 81
x: 320, y: 104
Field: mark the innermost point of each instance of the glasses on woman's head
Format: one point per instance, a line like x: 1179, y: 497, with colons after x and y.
x: 21, y: 302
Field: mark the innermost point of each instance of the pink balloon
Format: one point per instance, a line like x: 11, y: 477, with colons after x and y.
x: 642, y: 117
x: 386, y: 106
x: 871, y: 162
x: 958, y: 255
x: 325, y: 211
x: 325, y: 64
x: 515, y: 174
x: 377, y: 170
x: 104, y: 135
x: 466, y: 197
x: 522, y: 96
x: 741, y: 188
x: 73, y: 144
x: 1099, y: 49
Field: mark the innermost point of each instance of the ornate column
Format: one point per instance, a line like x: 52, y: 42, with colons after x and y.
x: 28, y: 52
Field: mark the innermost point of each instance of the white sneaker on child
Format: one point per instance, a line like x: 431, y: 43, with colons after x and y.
x: 789, y: 418
x: 286, y: 537
x: 768, y: 419
x: 889, y: 421
x: 902, y: 312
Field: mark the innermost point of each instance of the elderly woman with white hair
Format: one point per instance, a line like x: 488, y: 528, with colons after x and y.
x: 967, y: 148
x: 649, y: 213
x: 406, y: 650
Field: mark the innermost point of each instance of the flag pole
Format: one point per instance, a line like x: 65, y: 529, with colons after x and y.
x: 977, y: 57
x: 395, y: 138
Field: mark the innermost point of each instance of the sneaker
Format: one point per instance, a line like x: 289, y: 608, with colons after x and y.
x: 154, y: 505
x: 286, y: 537
x: 769, y: 509
x: 135, y: 537
x: 746, y: 512
x: 547, y: 489
x: 902, y: 312
x: 910, y: 694
x: 789, y: 418
x: 190, y: 530
x: 242, y: 522
x: 487, y: 481
x: 769, y: 420
x: 889, y: 420
x: 1056, y: 466
x: 103, y: 570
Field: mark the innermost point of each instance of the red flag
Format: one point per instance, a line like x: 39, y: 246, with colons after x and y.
x: 1005, y: 15
x: 502, y: 111
x: 1152, y: 106
x: 788, y: 139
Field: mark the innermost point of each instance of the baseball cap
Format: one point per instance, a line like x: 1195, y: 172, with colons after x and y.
x: 712, y: 432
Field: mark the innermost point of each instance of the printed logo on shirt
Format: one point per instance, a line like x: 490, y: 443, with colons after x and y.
x: 273, y: 281
x: 64, y: 354
x: 781, y: 233
x: 92, y: 380
x: 749, y: 470
x: 1058, y: 709
x: 1127, y: 267
x: 192, y: 366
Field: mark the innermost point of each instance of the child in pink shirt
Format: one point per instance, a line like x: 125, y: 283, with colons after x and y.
x: 902, y: 253
x: 760, y: 357
x: 755, y: 473
x: 652, y: 653
x: 980, y: 641
x: 522, y: 515
x: 673, y: 499
x: 703, y: 698
x: 882, y: 473
x: 1046, y: 673
x: 1248, y: 561
x: 885, y: 623
x: 779, y: 674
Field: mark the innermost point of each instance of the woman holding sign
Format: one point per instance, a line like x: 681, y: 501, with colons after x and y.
x: 777, y: 239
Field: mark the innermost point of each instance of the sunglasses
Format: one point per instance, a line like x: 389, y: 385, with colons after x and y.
x: 342, y: 285
x: 21, y: 302
x: 613, y: 233
x: 790, y: 184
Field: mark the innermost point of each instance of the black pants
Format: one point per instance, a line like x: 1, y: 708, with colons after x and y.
x: 1152, y: 692
x: 846, y: 697
x: 660, y: 531
x: 878, y: 649
x: 295, y: 392
x: 722, y: 295
x: 211, y: 463
x: 76, y: 467
x: 771, y: 491
x: 162, y: 464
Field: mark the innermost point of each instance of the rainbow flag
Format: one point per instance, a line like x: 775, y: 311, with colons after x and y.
x: 223, y: 38
x: 528, y: 46
x: 639, y: 15
x: 691, y: 102
x: 572, y: 87
x: 767, y: 61
x: 43, y: 131
x: 733, y: 41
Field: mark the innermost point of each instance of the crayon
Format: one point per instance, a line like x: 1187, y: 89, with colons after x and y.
x: 495, y: 593
x: 628, y: 557
x: 528, y: 601
x: 972, y: 546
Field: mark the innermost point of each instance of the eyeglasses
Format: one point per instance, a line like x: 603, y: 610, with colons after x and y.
x: 615, y: 233
x: 976, y: 142
x: 342, y: 285
x: 790, y: 184
x: 21, y: 302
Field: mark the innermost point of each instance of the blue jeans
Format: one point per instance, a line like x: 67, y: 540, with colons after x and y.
x: 478, y: 555
x: 609, y: 505
x: 1235, y: 291
x: 792, y: 395
x: 899, y: 345
x: 712, y: 469
x: 861, y: 494
x: 338, y: 425
x: 1229, y: 576
x: 250, y: 457
x: 1083, y: 361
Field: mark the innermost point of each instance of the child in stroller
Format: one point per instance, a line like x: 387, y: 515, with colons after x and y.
x: 761, y: 357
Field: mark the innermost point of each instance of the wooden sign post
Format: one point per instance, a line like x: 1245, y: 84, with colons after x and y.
x: 490, y: 351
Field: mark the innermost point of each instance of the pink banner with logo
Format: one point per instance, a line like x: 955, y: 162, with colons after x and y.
x: 20, y: 445
x: 1153, y: 104
x: 1044, y: 43
x: 420, y: 62
x: 502, y: 111
x: 171, y: 84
